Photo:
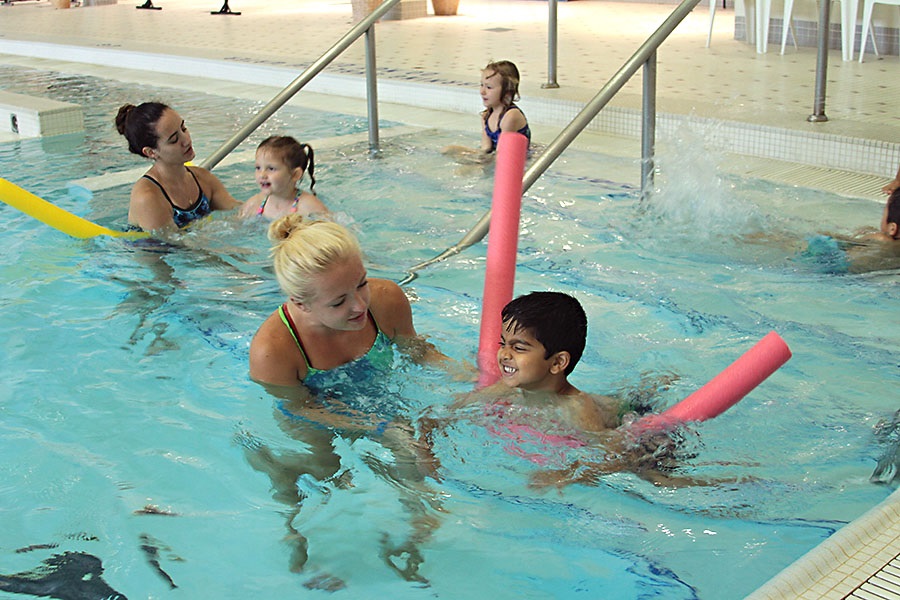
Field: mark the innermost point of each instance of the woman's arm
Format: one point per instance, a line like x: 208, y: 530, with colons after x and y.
x: 149, y: 209
x: 219, y: 197
x: 250, y: 207
x: 392, y: 312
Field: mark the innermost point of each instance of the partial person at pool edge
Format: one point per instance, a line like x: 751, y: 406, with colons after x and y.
x: 499, y: 91
x: 544, y: 335
x: 170, y: 195
x: 866, y: 250
x: 281, y: 162
x: 892, y: 185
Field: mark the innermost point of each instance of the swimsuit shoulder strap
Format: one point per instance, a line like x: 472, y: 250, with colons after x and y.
x: 289, y: 323
x: 161, y: 188
x: 197, y: 181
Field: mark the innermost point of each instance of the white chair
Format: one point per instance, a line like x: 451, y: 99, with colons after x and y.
x: 751, y: 30
x: 758, y: 24
x: 867, y: 25
x: 788, y: 25
x: 849, y: 9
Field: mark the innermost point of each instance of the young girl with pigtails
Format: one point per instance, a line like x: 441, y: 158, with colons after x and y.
x: 281, y: 162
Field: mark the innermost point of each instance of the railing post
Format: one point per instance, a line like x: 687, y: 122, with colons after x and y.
x: 295, y: 86
x: 372, y: 91
x: 551, y: 46
x: 648, y: 126
x: 818, y: 114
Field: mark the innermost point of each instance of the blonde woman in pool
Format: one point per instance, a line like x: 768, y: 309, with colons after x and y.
x: 334, y: 314
x: 335, y: 334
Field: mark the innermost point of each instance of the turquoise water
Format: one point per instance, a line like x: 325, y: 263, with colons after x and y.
x: 126, y: 379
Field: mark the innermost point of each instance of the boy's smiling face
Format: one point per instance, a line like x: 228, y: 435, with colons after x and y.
x: 522, y: 361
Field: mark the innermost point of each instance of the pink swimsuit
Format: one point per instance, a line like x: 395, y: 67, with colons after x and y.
x: 262, y: 205
x: 520, y: 435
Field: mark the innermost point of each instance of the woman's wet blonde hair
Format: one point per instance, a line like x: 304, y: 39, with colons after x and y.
x: 303, y: 248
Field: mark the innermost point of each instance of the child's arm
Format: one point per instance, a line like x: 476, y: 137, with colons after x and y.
x: 250, y: 207
x: 486, y: 144
x: 513, y: 120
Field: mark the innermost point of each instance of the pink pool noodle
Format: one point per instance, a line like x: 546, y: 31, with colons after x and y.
x: 503, y: 239
x: 726, y: 388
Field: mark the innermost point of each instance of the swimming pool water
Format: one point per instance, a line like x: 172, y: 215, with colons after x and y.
x: 126, y: 384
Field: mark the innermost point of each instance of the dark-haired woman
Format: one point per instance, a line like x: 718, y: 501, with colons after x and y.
x: 170, y: 195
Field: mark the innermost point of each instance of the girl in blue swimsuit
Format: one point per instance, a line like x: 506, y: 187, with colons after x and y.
x: 170, y: 195
x: 499, y: 91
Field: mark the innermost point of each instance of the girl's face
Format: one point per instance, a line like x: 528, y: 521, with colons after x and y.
x: 274, y: 176
x: 521, y: 360
x: 173, y: 142
x: 341, y: 298
x: 491, y: 89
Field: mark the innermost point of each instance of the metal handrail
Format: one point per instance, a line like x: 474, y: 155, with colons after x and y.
x: 366, y: 26
x: 645, y: 56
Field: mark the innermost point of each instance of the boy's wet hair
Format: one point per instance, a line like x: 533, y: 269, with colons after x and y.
x: 893, y: 209
x: 555, y: 319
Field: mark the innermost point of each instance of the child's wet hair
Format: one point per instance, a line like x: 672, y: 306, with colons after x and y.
x: 556, y: 320
x: 509, y: 79
x: 293, y: 153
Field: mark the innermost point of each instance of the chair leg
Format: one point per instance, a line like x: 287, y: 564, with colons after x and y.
x: 867, y: 22
x: 763, y: 8
x: 848, y: 28
x: 712, y: 18
x: 788, y: 8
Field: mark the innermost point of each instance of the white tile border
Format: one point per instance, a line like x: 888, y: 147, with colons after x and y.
x: 843, y: 562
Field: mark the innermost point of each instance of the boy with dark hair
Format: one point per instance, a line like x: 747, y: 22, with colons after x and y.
x: 543, y: 338
x: 541, y: 415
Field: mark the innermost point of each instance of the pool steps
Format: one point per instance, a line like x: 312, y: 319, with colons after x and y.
x: 34, y: 116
